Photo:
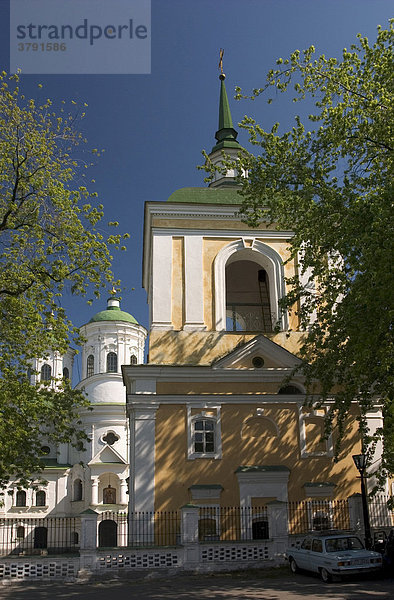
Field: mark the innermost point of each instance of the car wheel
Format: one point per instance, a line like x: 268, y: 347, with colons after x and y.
x: 325, y: 575
x: 293, y: 566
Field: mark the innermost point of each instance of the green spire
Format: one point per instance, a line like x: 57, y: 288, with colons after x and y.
x: 226, y: 135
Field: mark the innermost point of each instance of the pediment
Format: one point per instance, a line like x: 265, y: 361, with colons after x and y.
x: 107, y: 454
x: 274, y: 356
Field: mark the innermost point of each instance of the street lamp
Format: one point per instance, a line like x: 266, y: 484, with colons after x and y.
x: 360, y: 460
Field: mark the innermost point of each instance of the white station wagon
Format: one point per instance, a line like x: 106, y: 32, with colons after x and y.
x: 333, y: 555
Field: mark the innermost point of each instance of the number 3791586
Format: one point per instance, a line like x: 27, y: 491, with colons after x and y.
x: 41, y: 47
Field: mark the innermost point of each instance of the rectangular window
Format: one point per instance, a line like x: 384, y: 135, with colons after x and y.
x: 204, y: 435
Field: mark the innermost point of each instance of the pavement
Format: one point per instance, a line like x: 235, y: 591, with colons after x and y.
x: 275, y: 584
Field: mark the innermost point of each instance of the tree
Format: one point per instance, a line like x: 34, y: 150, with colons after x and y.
x: 49, y: 242
x: 331, y: 183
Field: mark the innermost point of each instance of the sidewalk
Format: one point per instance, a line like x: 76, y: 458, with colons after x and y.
x: 253, y: 585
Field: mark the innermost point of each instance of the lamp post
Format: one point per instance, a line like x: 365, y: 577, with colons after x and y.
x: 360, y: 460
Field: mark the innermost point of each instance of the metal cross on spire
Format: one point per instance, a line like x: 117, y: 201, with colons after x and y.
x: 222, y: 76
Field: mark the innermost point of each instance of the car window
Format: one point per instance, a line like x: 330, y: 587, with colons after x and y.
x: 317, y: 546
x: 340, y: 544
x: 306, y: 544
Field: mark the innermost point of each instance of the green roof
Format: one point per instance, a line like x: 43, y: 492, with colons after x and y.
x: 197, y: 195
x: 113, y: 313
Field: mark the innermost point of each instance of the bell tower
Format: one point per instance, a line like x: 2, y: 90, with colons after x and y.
x: 212, y: 281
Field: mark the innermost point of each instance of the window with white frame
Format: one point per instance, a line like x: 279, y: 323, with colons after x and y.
x: 41, y: 498
x: 112, y: 362
x: 46, y: 372
x: 204, y: 435
x: 90, y: 365
x: 20, y: 498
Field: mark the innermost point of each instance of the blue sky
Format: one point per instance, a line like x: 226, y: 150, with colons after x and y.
x: 153, y: 127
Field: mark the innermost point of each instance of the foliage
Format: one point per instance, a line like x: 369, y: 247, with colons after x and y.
x: 330, y: 181
x: 49, y: 243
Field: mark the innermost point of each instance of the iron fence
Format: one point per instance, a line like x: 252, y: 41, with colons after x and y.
x: 20, y: 536
x: 232, y: 523
x: 138, y: 529
x: 318, y: 515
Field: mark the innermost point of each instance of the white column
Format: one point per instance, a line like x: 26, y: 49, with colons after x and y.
x: 142, y: 458
x: 194, y: 294
x: 94, y: 490
x: 161, y: 282
x: 124, y: 499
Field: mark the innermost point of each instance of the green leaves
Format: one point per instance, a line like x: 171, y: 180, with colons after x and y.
x: 330, y: 181
x: 48, y: 241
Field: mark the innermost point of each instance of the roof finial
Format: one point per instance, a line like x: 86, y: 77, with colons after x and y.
x: 222, y: 76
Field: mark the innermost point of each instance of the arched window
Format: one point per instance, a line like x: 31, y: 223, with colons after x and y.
x: 66, y: 373
x: 41, y: 498
x: 20, y: 532
x: 112, y: 362
x: 77, y: 490
x: 247, y: 297
x: 204, y: 436
x: 262, y: 281
x: 109, y: 495
x: 133, y: 359
x: 75, y: 538
x: 90, y: 365
x: 46, y: 372
x: 20, y: 498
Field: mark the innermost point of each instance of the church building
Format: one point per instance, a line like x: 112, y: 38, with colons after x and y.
x: 216, y: 415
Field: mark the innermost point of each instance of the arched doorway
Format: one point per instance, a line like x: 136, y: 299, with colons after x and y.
x: 108, y: 534
x: 40, y: 537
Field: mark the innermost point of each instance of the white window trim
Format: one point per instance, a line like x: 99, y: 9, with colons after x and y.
x: 263, y: 255
x: 329, y: 442
x: 191, y: 455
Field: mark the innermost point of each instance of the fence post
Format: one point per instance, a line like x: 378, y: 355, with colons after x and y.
x: 278, y: 526
x: 189, y: 535
x: 356, y: 512
x: 88, y: 540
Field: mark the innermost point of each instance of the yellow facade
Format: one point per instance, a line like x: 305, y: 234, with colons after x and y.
x: 225, y: 427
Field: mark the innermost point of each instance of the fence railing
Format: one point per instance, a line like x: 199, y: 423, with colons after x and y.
x: 41, y: 536
x: 320, y: 515
x: 138, y: 529
x: 232, y: 523
x: 20, y: 536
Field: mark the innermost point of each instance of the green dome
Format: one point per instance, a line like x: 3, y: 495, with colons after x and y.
x: 113, y: 313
